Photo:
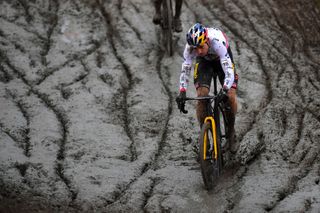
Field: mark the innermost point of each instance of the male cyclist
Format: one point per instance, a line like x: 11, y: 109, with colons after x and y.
x: 211, y: 49
x: 176, y: 21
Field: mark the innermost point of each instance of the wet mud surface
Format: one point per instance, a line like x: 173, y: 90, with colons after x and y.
x: 88, y: 121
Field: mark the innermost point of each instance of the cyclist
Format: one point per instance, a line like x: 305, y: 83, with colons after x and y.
x: 211, y: 49
x: 176, y: 21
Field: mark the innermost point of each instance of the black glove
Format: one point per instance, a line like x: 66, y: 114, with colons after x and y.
x: 181, y: 102
x: 222, y: 95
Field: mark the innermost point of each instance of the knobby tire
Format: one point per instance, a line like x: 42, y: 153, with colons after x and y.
x: 210, y: 167
x: 167, y: 26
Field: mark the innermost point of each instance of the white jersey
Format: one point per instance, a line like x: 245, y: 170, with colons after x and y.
x: 218, y: 50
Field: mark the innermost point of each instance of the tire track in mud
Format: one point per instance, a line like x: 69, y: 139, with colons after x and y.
x: 23, y: 109
x: 293, y: 181
x: 25, y: 7
x: 301, y: 167
x: 313, y: 83
x: 53, y: 20
x: 147, y: 195
x: 24, y: 27
x: 287, y: 152
x: 75, y: 57
x: 153, y: 163
x: 316, y: 116
x: 164, y: 136
x: 290, y: 58
x: 127, y: 21
x: 25, y: 134
x: 61, y: 117
x: 65, y: 92
x: 162, y: 142
x: 44, y: 41
x: 47, y: 43
x: 8, y: 133
x: 111, y: 33
x: 5, y: 77
x: 301, y: 116
x: 6, y: 37
x: 122, y: 189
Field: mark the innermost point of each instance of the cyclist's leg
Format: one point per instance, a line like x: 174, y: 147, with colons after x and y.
x: 232, y: 92
x: 157, y: 15
x: 202, y: 80
x: 231, y: 119
x: 201, y: 105
x: 177, y: 21
x: 230, y: 114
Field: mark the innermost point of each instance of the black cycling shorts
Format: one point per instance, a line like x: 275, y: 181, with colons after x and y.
x: 205, y: 70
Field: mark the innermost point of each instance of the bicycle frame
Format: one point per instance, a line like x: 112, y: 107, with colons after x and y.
x: 211, y: 155
x: 214, y: 136
x: 211, y: 119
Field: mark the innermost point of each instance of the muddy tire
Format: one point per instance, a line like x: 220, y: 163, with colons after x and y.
x: 210, y: 167
x: 167, y: 26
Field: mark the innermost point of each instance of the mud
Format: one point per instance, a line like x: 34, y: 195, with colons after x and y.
x: 88, y: 120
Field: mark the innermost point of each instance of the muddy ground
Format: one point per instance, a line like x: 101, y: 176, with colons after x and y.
x: 88, y: 121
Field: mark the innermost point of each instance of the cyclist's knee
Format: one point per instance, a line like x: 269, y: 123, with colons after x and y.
x: 201, y: 112
x: 201, y: 105
x: 202, y: 91
x: 233, y: 100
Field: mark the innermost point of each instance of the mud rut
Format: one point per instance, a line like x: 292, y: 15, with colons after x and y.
x: 88, y: 119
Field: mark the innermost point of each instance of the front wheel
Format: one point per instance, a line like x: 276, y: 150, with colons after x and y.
x: 210, y: 166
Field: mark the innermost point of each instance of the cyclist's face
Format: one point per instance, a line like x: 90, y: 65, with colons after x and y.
x: 202, y: 50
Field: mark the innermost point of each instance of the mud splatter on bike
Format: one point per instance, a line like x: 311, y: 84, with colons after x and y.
x: 213, y: 136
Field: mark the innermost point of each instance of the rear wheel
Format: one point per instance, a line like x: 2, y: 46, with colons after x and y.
x: 210, y: 166
x: 167, y: 18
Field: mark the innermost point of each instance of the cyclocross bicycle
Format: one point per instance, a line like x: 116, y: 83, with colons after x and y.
x: 212, y: 137
x: 167, y: 25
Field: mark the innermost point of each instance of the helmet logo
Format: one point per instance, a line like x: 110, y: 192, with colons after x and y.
x: 197, y: 35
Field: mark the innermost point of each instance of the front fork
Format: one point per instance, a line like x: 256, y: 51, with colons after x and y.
x: 214, y: 136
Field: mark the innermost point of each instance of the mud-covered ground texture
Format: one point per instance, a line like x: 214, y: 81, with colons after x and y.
x: 89, y: 123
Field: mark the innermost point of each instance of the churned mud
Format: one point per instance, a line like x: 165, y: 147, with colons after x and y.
x: 88, y: 120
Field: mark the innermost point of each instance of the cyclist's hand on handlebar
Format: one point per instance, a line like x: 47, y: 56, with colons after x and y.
x: 181, y: 102
x: 222, y: 96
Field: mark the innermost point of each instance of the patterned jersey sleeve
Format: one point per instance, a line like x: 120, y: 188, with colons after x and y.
x: 226, y: 63
x: 188, y: 56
